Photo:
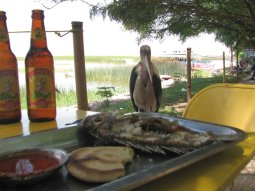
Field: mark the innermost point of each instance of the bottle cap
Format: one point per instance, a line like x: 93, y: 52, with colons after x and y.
x: 37, y: 14
x: 2, y: 15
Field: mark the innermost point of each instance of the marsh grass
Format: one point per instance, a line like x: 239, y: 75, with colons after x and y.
x: 168, y: 66
x: 110, y: 59
x: 23, y: 98
x: 102, y: 59
x: 114, y: 72
x: 113, y: 76
x: 119, y: 75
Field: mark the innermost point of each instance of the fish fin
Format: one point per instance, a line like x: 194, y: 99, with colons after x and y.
x: 177, y: 150
x: 146, y: 148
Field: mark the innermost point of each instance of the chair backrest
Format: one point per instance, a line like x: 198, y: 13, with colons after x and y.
x: 225, y: 104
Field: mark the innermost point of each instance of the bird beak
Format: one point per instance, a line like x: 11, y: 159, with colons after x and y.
x: 145, y: 61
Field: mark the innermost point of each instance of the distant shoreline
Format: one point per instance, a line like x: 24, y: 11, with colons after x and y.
x: 117, y: 59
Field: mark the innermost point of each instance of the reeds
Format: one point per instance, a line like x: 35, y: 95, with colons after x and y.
x: 119, y: 75
x: 110, y: 73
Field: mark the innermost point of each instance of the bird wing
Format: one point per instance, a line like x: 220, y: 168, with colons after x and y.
x: 132, y: 81
x: 157, y: 89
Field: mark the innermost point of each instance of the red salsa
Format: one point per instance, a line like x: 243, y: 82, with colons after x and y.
x: 24, y: 164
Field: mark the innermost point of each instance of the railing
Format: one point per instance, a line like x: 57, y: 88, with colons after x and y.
x: 79, y: 61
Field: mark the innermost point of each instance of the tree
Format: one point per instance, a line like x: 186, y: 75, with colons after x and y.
x: 232, y: 21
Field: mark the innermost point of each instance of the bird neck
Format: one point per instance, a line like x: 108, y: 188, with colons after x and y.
x: 145, y: 75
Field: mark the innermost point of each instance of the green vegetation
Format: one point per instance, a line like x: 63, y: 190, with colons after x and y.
x: 105, y: 93
x: 185, y: 19
x: 67, y: 98
x: 23, y: 98
x: 97, y: 59
x: 232, y: 21
x: 117, y: 76
x: 110, y: 59
x: 172, y: 95
x: 112, y: 75
x: 102, y: 59
x: 169, y: 66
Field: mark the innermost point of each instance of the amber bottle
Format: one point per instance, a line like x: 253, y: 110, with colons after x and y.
x: 39, y: 66
x: 10, y: 111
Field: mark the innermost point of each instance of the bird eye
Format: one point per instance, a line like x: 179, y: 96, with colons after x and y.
x: 98, y: 119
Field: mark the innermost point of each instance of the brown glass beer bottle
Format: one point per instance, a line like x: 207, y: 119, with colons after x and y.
x: 39, y: 66
x: 10, y: 111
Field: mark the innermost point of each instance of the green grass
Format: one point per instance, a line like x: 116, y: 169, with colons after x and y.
x: 114, y: 76
x: 66, y: 98
x: 101, y: 59
x: 118, y: 77
x: 172, y: 95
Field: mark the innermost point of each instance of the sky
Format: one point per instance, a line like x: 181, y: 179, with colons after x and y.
x: 101, y: 37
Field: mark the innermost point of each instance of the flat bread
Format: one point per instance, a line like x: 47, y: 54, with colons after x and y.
x: 99, y: 164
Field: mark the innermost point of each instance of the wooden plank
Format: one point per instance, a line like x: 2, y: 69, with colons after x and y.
x: 243, y: 182
x: 246, y: 179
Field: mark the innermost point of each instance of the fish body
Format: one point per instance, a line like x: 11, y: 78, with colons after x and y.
x: 147, y: 133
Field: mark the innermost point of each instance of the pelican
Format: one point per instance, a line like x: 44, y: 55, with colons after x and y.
x: 145, y: 84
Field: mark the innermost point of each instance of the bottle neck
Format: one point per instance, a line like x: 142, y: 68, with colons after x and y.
x: 38, y: 34
x: 4, y: 36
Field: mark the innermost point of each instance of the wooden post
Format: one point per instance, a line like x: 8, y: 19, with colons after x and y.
x: 231, y: 58
x: 79, y: 66
x: 237, y: 52
x: 224, y: 68
x: 188, y: 74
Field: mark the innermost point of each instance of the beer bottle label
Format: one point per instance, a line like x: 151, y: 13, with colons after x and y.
x: 38, y: 34
x: 9, y: 89
x: 41, y: 87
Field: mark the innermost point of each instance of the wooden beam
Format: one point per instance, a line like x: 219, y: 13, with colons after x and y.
x: 188, y: 67
x: 79, y: 66
x: 224, y: 68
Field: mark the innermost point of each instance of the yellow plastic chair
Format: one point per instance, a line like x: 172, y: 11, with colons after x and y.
x: 225, y: 104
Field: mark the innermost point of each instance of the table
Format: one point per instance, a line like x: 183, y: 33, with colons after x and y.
x: 25, y: 127
x: 211, y: 174
x: 214, y: 173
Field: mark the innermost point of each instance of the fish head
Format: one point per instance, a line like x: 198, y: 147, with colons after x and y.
x: 99, y: 123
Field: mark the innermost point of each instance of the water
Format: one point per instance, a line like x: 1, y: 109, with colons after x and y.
x: 213, y: 64
x: 64, y: 80
x: 65, y: 75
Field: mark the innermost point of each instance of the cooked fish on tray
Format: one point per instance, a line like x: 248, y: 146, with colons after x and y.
x: 147, y: 133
